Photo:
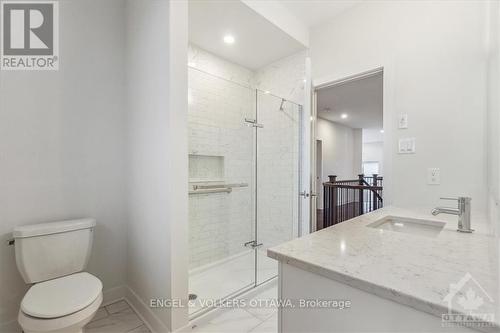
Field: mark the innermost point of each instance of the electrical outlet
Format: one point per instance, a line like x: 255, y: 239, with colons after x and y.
x: 433, y: 176
x: 406, y: 146
x: 403, y: 121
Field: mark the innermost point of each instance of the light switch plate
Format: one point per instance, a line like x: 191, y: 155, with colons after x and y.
x: 406, y: 146
x: 433, y: 176
x: 403, y: 121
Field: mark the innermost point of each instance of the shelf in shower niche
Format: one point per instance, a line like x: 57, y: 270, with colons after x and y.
x: 205, y: 180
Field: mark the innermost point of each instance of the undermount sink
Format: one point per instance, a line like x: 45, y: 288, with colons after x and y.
x: 409, y: 226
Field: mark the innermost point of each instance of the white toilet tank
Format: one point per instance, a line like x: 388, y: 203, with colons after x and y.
x: 46, y: 251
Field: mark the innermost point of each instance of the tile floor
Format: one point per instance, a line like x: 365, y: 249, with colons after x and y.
x: 236, y: 275
x: 116, y: 318
x: 119, y: 317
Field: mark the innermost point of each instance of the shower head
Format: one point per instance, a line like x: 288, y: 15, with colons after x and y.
x: 281, y: 105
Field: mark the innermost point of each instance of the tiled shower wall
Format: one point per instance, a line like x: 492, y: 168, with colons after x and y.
x: 284, y: 78
x: 219, y: 223
x: 277, y: 171
x: 278, y: 148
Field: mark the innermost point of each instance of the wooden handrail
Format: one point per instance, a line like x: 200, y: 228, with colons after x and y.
x: 359, y: 187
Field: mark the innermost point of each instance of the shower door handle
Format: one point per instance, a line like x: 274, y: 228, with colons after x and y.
x: 253, y: 244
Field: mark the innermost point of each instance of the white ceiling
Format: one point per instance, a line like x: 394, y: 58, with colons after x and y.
x: 361, y: 100
x: 314, y: 12
x: 258, y: 42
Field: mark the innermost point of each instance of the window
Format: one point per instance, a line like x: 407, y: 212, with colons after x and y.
x: 370, y: 168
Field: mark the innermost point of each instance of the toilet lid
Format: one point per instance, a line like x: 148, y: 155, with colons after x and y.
x: 62, y: 296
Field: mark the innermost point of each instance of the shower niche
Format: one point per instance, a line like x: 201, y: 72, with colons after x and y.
x: 206, y: 168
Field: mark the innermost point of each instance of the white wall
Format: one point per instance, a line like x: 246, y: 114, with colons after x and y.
x: 338, y: 142
x: 157, y: 202
x: 434, y: 61
x: 281, y: 17
x: 494, y: 114
x: 61, y: 144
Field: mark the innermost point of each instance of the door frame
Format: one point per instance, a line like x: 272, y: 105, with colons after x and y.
x: 319, y: 177
x: 307, y: 220
x: 387, y: 70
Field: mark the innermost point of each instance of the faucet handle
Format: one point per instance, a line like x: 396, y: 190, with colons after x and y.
x: 449, y: 198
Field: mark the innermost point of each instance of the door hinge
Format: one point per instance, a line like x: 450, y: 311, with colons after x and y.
x: 253, y: 122
x: 307, y: 195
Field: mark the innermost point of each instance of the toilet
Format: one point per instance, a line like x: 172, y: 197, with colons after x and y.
x: 51, y: 257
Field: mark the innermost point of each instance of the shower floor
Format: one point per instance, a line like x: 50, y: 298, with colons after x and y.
x: 228, y: 277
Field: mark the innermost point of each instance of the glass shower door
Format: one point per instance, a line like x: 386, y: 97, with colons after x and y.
x: 278, y: 177
x: 221, y: 189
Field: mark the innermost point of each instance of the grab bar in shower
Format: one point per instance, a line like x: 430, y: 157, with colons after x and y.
x: 220, y: 188
x: 212, y: 190
x: 217, y: 186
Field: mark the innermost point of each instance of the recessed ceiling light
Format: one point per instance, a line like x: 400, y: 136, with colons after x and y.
x: 343, y: 115
x: 381, y: 131
x: 267, y: 92
x: 229, y: 39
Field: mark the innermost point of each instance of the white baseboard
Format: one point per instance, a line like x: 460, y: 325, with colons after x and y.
x: 154, y: 324
x: 113, y: 294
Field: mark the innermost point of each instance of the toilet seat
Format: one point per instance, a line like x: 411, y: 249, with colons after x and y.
x: 72, y: 323
x: 62, y: 296
x: 62, y: 305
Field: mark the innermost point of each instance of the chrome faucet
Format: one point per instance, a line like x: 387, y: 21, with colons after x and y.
x: 463, y: 212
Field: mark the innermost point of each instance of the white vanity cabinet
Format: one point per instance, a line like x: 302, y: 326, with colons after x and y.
x: 367, y: 312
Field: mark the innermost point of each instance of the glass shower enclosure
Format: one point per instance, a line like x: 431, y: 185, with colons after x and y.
x: 244, y: 178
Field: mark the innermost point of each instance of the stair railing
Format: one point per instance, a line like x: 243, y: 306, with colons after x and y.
x: 346, y: 199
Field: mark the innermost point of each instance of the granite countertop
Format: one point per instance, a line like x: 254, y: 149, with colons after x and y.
x: 410, y: 269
